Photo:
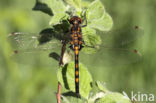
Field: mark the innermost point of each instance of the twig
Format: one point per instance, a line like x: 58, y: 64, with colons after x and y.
x: 58, y: 94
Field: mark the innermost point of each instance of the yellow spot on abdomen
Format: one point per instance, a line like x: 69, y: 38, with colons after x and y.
x: 76, y: 65
x: 76, y: 73
x: 77, y: 80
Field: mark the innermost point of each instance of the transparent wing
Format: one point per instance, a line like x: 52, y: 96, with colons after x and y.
x: 29, y: 42
x: 28, y: 46
x: 111, y: 56
x: 115, y: 48
x: 121, y: 37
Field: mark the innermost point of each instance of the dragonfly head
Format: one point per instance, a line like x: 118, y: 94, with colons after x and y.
x: 75, y: 20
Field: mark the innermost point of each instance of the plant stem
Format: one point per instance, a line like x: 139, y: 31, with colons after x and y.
x: 58, y: 95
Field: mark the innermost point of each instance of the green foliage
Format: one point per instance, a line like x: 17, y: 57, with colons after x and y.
x: 66, y: 76
x: 42, y: 6
x: 98, y: 18
x: 54, y: 8
x: 113, y: 98
x: 91, y: 39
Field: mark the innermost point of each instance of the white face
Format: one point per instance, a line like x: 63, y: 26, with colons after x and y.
x: 75, y: 22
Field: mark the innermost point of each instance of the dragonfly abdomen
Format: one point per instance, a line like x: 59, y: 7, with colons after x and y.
x: 76, y: 49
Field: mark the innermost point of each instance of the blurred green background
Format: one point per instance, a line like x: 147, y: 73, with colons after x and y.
x: 37, y: 83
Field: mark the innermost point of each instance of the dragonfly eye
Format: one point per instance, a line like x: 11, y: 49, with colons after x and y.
x: 80, y: 21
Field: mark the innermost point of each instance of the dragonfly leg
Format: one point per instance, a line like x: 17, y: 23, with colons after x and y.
x: 84, y: 19
x: 71, y: 47
x: 85, y: 24
x: 62, y: 52
x: 80, y: 47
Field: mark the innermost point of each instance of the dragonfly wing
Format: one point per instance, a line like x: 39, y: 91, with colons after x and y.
x: 121, y: 37
x: 28, y: 46
x: 28, y: 42
x: 111, y: 56
x: 113, y: 47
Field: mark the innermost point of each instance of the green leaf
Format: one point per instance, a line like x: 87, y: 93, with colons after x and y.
x: 103, y: 24
x: 69, y: 96
x: 57, y: 18
x: 101, y: 86
x: 42, y: 5
x: 66, y: 76
x: 85, y: 4
x: 96, y: 10
x: 74, y: 3
x: 90, y: 36
x: 59, y: 9
x: 91, y: 39
x: 55, y: 8
x: 98, y: 18
x: 113, y: 98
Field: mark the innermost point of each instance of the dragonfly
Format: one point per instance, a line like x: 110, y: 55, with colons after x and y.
x: 76, y: 45
x: 48, y: 40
